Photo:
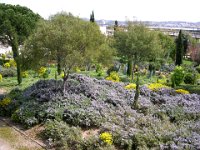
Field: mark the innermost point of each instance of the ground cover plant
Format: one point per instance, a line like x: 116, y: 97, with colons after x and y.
x: 166, y: 119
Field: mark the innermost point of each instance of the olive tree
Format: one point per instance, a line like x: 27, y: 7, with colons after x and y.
x: 66, y: 37
x: 137, y: 43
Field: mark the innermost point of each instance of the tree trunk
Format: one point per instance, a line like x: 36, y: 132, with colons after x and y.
x: 130, y: 67
x: 58, y: 65
x: 137, y: 94
x: 133, y: 70
x: 16, y: 58
x: 66, y: 76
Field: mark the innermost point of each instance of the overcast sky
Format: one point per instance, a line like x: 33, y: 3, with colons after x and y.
x: 141, y: 10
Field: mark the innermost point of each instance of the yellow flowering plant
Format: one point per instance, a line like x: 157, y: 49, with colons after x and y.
x: 182, y: 91
x: 106, y: 137
x: 7, y: 65
x: 156, y: 86
x: 12, y: 63
x: 41, y: 71
x: 130, y: 86
x: 113, y: 77
x: 5, y: 102
x: 25, y: 74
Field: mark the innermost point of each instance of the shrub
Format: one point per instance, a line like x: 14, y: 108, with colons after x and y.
x: 25, y: 74
x: 181, y: 91
x: 198, y: 69
x: 1, y: 77
x: 3, y: 56
x: 8, y: 72
x: 156, y: 86
x: 106, y: 137
x: 12, y: 63
x: 177, y: 76
x: 190, y: 78
x: 7, y: 65
x: 41, y: 71
x: 5, y: 102
x: 113, y: 77
x: 130, y: 86
x: 63, y: 135
x: 112, y: 69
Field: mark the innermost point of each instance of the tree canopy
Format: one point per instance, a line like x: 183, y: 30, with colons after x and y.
x: 74, y: 41
x: 138, y: 43
x: 16, y: 24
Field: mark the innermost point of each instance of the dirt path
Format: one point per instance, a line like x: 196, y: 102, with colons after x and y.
x: 11, y: 139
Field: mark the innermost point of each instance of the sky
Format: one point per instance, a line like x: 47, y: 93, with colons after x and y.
x: 140, y: 10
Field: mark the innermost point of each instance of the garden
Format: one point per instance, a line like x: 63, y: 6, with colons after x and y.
x: 133, y: 90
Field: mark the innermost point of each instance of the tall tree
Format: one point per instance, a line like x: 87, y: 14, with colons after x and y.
x: 92, y: 19
x: 16, y: 24
x: 179, y: 49
x: 137, y: 43
x: 73, y: 39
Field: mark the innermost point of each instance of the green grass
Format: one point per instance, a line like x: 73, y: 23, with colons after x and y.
x: 9, y: 83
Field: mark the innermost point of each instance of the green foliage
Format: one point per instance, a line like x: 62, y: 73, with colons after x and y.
x: 25, y: 74
x: 198, y: 68
x: 1, y: 77
x: 63, y: 135
x: 83, y: 46
x: 168, y: 46
x: 137, y: 44
x: 112, y: 69
x: 17, y: 23
x: 190, y: 78
x: 8, y: 72
x: 177, y: 75
x: 92, y: 19
x: 12, y: 63
x: 179, y: 49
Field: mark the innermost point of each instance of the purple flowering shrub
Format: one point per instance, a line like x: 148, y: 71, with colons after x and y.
x: 161, y: 121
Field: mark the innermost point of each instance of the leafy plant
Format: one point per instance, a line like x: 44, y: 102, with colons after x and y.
x: 12, y: 63
x: 1, y: 78
x: 8, y: 72
x: 190, y: 78
x: 25, y: 74
x: 177, y: 75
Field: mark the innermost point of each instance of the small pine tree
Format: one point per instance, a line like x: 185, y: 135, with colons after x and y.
x: 92, y: 17
x: 179, y: 49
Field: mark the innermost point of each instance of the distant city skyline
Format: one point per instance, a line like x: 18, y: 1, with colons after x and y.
x: 141, y: 10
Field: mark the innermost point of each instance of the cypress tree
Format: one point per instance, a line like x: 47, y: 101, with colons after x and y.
x: 116, y: 25
x: 92, y: 17
x: 179, y: 49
